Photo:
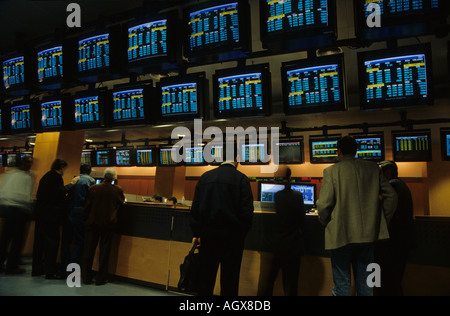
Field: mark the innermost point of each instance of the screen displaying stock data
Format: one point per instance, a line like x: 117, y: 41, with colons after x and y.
x: 313, y: 87
x: 393, y: 8
x: 124, y: 157
x: 214, y: 27
x: 93, y: 53
x: 50, y: 63
x: 104, y: 158
x: 398, y: 78
x: 128, y: 105
x: 179, y: 99
x: 253, y: 153
x: 292, y: 15
x: 165, y: 156
x: 324, y: 150
x: 240, y: 94
x: 412, y: 147
x: 290, y: 152
x: 147, y: 40
x: 144, y: 157
x: 194, y: 156
x: 370, y: 147
x: 13, y: 72
x: 87, y: 110
x: 51, y: 114
x: 20, y: 117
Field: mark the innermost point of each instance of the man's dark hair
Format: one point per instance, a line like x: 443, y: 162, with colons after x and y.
x: 173, y: 199
x: 157, y: 197
x: 85, y: 169
x: 59, y: 164
x: 348, y: 146
x: 288, y: 173
x: 390, y: 166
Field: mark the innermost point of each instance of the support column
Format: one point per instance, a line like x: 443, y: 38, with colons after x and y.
x: 170, y: 181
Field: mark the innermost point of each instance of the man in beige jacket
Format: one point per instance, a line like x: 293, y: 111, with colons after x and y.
x: 354, y: 216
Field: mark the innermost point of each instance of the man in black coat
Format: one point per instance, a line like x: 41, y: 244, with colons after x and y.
x: 221, y: 217
x: 51, y: 201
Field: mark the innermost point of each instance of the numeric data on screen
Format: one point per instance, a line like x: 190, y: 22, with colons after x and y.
x: 420, y: 143
x: 391, y: 8
x: 128, y: 105
x: 288, y: 15
x: 50, y: 63
x: 87, y: 110
x: 147, y: 40
x: 314, y: 86
x: 51, y: 114
x: 240, y: 93
x: 214, y: 26
x: 144, y: 157
x: 13, y: 72
x: 179, y: 99
x: 397, y: 78
x: 369, y: 148
x: 20, y: 117
x: 93, y: 53
x: 324, y: 149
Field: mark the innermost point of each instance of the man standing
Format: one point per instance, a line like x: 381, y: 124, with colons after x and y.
x: 16, y: 189
x: 353, y: 216
x: 221, y: 217
x: 101, y: 210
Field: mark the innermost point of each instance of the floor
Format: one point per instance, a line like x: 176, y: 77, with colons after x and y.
x: 26, y: 285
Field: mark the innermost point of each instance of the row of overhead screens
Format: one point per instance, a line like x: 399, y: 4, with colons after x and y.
x: 410, y: 146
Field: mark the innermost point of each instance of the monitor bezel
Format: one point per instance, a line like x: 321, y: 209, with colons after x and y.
x: 202, y: 97
x: 160, y: 164
x: 102, y: 106
x: 444, y: 133
x: 309, y: 63
x: 221, y: 52
x: 300, y: 140
x: 153, y: 155
x: 307, y: 206
x: 249, y: 163
x: 111, y: 154
x: 395, y: 103
x: 427, y: 132
x: 30, y: 72
x: 32, y: 117
x: 372, y: 135
x: 264, y: 69
x: 66, y: 112
x: 318, y: 138
x: 132, y: 152
x: 195, y: 164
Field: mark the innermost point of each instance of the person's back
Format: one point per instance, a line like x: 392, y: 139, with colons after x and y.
x: 16, y: 188
x: 78, y: 195
x: 102, y: 204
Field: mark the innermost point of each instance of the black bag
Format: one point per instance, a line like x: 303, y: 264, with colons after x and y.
x: 190, y: 272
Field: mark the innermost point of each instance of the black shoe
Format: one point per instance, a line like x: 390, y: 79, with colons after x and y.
x: 15, y: 271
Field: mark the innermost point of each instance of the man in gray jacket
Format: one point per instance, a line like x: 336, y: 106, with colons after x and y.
x: 354, y: 216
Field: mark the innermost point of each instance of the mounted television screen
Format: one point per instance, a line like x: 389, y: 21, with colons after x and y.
x: 370, y: 146
x: 104, y: 158
x: 145, y: 157
x: 165, y: 156
x: 290, y: 152
x: 21, y: 120
x: 396, y: 78
x: 18, y: 73
x: 11, y: 160
x: 314, y: 86
x: 445, y: 144
x: 253, y: 154
x: 93, y: 53
x: 131, y: 105
x: 183, y: 98
x: 89, y: 109
x: 87, y: 157
x: 323, y: 150
x: 296, y: 24
x: 412, y: 146
x: 50, y: 64
x: 194, y: 156
x: 1, y: 120
x: 52, y: 115
x: 153, y: 42
x: 400, y: 18
x: 240, y: 92
x: 217, y: 29
x: 125, y: 157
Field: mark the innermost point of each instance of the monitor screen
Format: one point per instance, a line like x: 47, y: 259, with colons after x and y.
x: 194, y: 156
x: 147, y: 40
x: 397, y: 78
x: 217, y: 28
x: 311, y: 86
x: 242, y: 92
x: 50, y: 64
x: 144, y: 157
x: 104, y: 158
x: 370, y: 147
x: 51, y: 115
x: 323, y: 150
x: 1, y: 120
x: 100, y: 180
x: 129, y: 106
x: 13, y: 72
x: 21, y: 118
x: 86, y: 158
x: 87, y: 111
x: 94, y: 53
x: 165, y: 157
x: 412, y: 146
x: 290, y: 152
x: 253, y: 154
x: 445, y: 144
x: 12, y: 159
x: 125, y: 157
x: 267, y: 192
x: 309, y: 193
x: 182, y: 98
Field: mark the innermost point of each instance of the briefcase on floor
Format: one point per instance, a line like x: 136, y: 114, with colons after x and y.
x: 190, y: 272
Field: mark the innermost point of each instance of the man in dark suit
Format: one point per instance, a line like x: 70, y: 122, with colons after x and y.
x: 287, y: 236
x: 221, y: 217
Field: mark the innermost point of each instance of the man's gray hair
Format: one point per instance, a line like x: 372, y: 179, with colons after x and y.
x: 110, y: 174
